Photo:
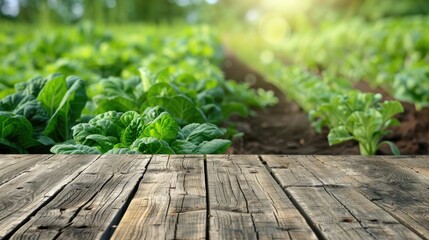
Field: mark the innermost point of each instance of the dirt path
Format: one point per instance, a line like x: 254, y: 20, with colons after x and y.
x: 282, y: 129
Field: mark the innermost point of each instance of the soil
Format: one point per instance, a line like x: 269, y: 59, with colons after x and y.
x: 285, y: 129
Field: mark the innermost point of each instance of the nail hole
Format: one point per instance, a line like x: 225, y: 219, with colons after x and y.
x: 347, y: 220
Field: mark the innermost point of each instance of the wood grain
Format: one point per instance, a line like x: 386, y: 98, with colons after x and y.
x: 86, y: 207
x: 222, y: 197
x: 246, y: 202
x: 12, y: 166
x: 170, y: 202
x: 396, y: 188
x: 331, y: 199
x: 22, y: 196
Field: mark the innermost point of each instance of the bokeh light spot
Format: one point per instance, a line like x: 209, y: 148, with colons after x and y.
x: 266, y: 57
x: 274, y: 29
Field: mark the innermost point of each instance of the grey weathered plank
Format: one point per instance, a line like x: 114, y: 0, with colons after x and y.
x: 419, y: 164
x: 246, y: 202
x: 291, y: 171
x: 86, y: 207
x: 170, y: 202
x: 13, y: 165
x: 25, y: 194
x: 332, y: 200
x: 396, y: 188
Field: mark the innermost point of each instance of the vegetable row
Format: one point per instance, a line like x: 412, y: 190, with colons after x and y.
x: 389, y: 53
x: 331, y: 102
x: 136, y: 92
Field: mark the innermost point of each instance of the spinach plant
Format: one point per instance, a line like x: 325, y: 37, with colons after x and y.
x: 155, y: 131
x: 46, y: 107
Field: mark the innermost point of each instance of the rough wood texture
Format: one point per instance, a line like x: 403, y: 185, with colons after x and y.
x: 246, y: 202
x: 393, y: 185
x: 13, y: 165
x: 216, y: 196
x: 22, y: 196
x: 170, y: 202
x: 86, y: 207
x: 331, y: 199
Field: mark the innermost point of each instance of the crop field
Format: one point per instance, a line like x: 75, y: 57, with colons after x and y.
x: 355, y: 86
x: 80, y: 90
x: 355, y: 81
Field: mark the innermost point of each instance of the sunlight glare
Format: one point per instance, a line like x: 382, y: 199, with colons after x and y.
x: 274, y: 28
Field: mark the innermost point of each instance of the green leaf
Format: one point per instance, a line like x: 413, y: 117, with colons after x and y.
x: 151, y: 113
x: 234, y: 108
x: 16, y: 129
x: 122, y: 151
x: 162, y: 90
x: 183, y: 147
x: 188, y: 129
x: 390, y: 108
x: 363, y: 125
x: 103, y: 143
x: 202, y: 132
x: 27, y: 106
x: 180, y: 107
x: 164, y: 127
x: 32, y: 87
x: 338, y: 135
x: 150, y: 145
x: 67, y: 106
x: 116, y: 94
x: 82, y: 130
x: 145, y: 78
x: 132, y: 131
x: 392, y: 146
x: 128, y: 117
x: 213, y: 113
x: 216, y: 146
x: 114, y: 103
x: 52, y: 94
x: 74, y: 149
x: 7, y: 146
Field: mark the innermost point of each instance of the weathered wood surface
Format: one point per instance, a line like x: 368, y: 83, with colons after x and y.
x: 87, y: 205
x: 214, y: 196
x: 24, y: 195
x: 246, y: 202
x: 332, y: 200
x: 170, y: 202
x: 12, y: 166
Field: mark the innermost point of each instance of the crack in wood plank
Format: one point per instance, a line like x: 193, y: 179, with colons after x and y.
x: 402, y: 191
x: 89, y: 203
x: 170, y: 201
x: 12, y: 166
x: 247, y: 203
x: 337, y: 212
x: 18, y: 207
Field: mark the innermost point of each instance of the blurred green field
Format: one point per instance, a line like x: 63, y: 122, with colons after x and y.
x: 137, y: 58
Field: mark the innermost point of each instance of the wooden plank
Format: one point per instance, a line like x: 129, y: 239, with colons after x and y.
x: 331, y: 200
x: 292, y: 172
x: 12, y: 166
x: 170, y: 202
x: 246, y: 202
x: 22, y: 196
x: 397, y: 189
x: 419, y: 164
x: 90, y: 203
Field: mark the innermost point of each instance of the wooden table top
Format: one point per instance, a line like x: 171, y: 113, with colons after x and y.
x: 213, y: 197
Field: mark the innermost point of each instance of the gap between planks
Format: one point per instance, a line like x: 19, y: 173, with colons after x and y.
x: 340, y: 203
x: 103, y: 187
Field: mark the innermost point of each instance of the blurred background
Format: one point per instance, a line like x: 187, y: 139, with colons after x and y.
x: 297, y: 13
